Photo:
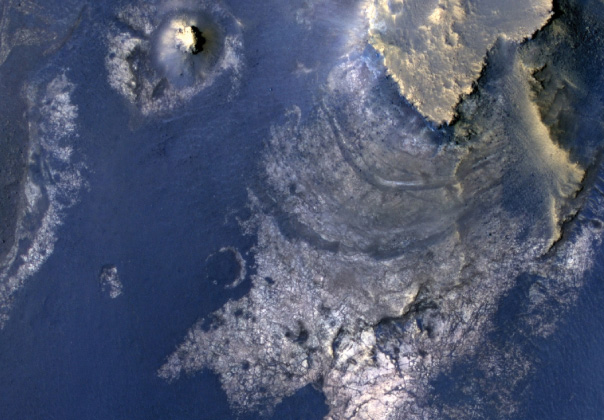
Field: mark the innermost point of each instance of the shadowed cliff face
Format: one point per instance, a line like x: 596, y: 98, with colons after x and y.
x: 388, y: 243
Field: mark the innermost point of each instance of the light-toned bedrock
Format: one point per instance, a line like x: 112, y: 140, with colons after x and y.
x: 53, y: 182
x: 161, y: 54
x: 41, y: 168
x: 110, y: 282
x: 384, y: 246
x: 436, y: 49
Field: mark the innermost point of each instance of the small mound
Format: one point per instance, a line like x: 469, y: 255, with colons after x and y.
x: 171, y: 53
x: 189, y: 39
x: 184, y: 53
